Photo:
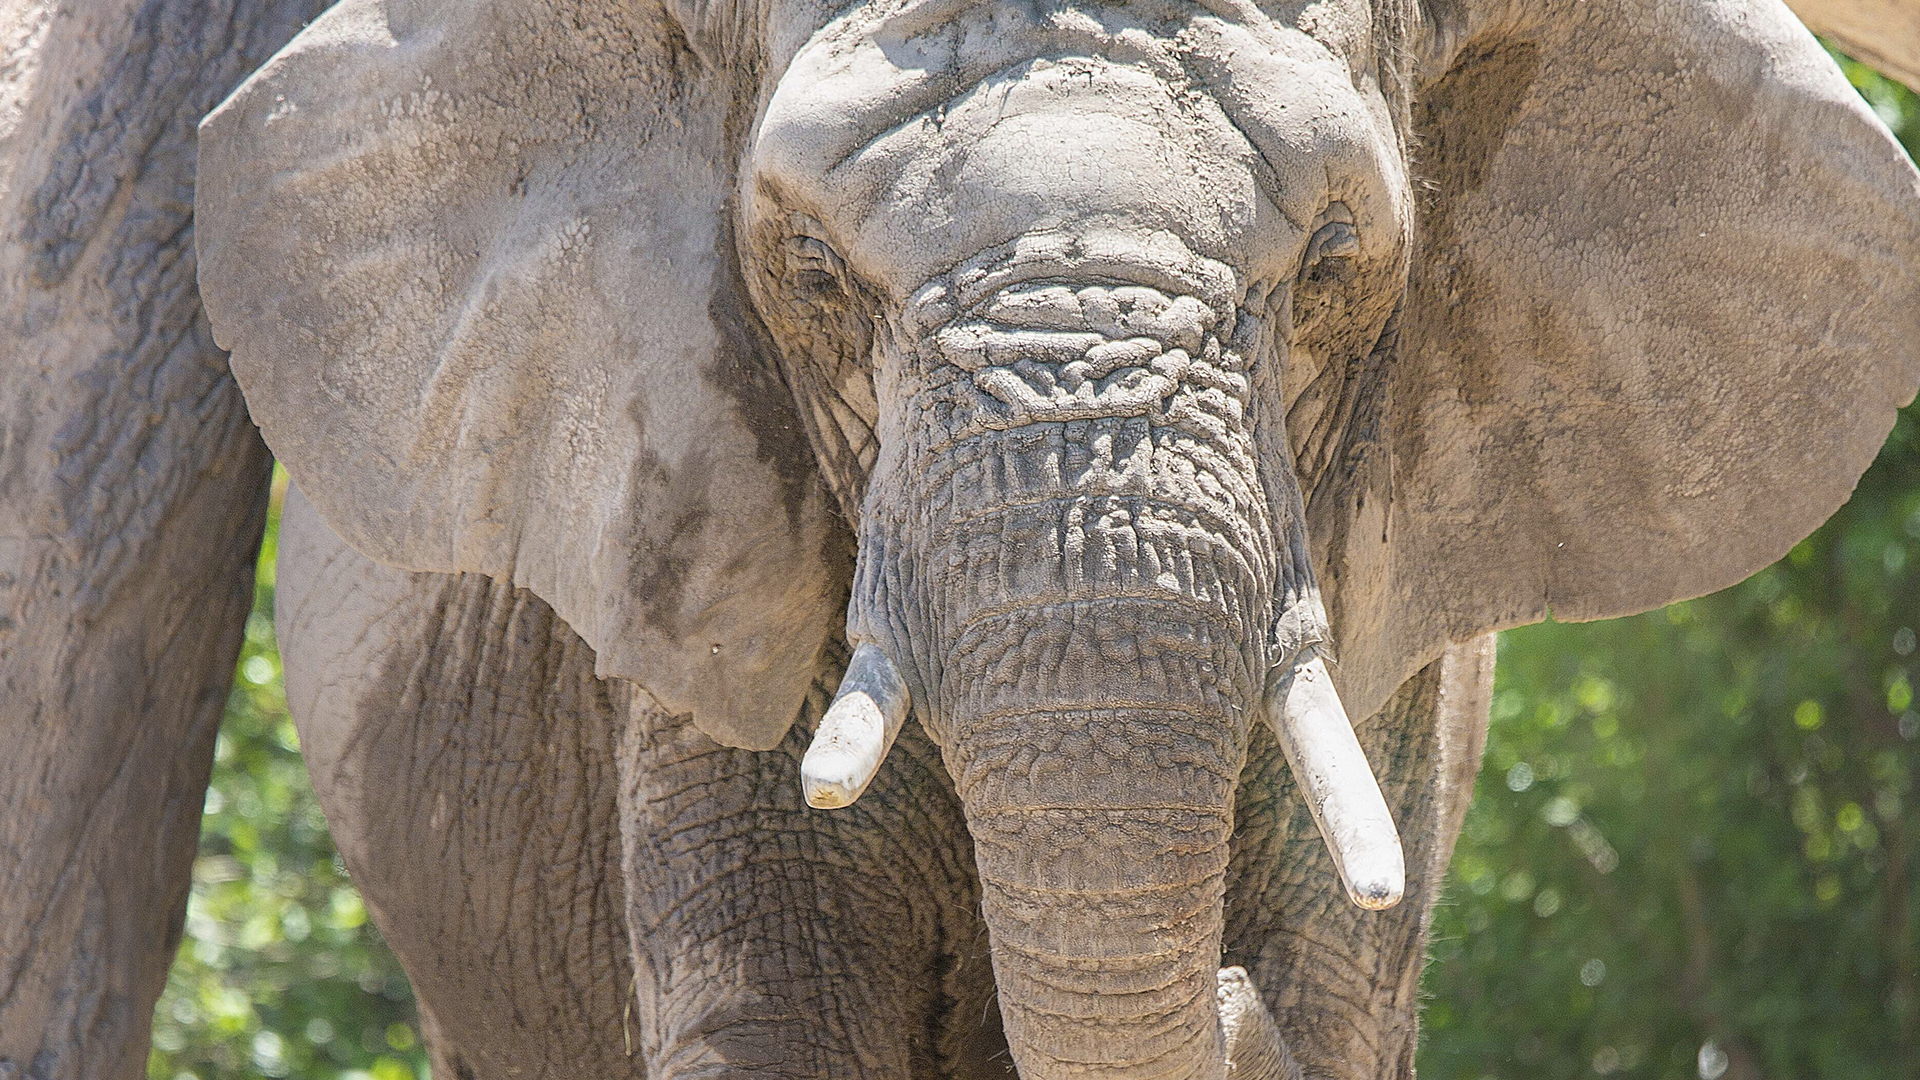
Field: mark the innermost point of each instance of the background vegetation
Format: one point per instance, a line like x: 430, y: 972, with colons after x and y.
x: 1692, y: 852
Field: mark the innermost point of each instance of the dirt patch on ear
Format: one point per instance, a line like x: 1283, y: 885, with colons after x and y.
x: 1463, y: 119
x: 745, y: 367
x: 1460, y: 124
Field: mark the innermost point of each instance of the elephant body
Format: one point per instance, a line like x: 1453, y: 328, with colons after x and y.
x: 476, y: 777
x: 132, y: 498
x: 852, y: 539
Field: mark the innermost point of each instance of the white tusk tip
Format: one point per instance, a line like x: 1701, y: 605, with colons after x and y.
x: 1376, y: 894
x: 829, y: 796
x: 856, y: 733
x: 1333, y: 775
x: 1374, y: 870
x: 832, y: 782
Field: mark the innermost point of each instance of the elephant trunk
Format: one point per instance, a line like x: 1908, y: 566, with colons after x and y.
x: 1069, y: 549
x: 1105, y: 918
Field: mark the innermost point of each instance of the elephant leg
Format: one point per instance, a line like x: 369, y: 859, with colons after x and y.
x: 463, y: 751
x: 777, y: 939
x: 480, y: 780
x: 443, y: 1056
x: 1342, y: 983
x: 132, y: 491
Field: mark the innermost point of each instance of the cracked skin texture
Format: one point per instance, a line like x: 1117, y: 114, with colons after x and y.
x: 602, y: 330
x: 475, y: 775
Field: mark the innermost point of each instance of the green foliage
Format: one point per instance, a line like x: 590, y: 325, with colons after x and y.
x: 281, y: 974
x: 1692, y: 849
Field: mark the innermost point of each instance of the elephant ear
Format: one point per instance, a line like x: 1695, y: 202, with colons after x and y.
x: 1661, y: 317
x: 472, y: 260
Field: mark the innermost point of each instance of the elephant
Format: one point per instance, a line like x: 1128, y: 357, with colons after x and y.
x: 905, y: 538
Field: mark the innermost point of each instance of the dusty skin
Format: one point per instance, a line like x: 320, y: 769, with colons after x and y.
x: 1158, y: 403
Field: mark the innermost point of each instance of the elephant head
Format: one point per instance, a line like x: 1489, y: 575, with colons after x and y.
x: 1116, y: 376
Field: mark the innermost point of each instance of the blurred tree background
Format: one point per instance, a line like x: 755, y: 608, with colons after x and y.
x: 1691, y: 853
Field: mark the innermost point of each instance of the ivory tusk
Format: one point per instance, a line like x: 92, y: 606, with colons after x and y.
x: 1338, y: 784
x: 858, y: 730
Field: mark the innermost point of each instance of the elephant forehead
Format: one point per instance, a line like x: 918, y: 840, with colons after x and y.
x: 1047, y: 144
x: 991, y: 119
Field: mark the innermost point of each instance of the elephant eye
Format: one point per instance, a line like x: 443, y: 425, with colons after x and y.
x: 812, y: 266
x: 1330, y: 253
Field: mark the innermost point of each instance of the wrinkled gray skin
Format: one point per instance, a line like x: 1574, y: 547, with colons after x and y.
x: 1094, y: 362
x: 487, y: 831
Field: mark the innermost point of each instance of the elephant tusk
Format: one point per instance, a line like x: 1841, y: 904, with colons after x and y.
x: 858, y: 730
x: 1339, y: 786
